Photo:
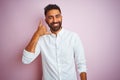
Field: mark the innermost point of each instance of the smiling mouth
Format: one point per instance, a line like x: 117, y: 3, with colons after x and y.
x: 56, y: 24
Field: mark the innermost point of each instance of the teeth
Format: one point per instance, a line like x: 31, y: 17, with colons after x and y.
x: 55, y: 24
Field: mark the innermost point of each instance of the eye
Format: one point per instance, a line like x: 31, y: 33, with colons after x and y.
x: 50, y: 17
x: 58, y: 16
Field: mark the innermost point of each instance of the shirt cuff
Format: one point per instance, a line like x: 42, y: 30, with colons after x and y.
x: 28, y: 54
x: 83, y: 69
x: 27, y: 57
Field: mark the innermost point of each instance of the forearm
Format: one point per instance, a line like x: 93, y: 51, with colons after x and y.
x: 32, y: 44
x: 83, y: 76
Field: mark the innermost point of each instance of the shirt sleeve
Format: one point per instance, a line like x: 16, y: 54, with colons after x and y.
x: 79, y: 55
x: 28, y: 57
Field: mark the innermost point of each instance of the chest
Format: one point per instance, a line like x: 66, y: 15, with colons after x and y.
x: 58, y: 48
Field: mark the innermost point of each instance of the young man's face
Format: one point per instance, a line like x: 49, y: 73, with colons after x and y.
x: 54, y: 20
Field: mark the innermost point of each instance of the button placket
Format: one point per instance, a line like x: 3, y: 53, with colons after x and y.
x: 58, y: 55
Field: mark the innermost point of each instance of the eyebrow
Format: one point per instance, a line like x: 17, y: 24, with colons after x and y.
x: 54, y: 15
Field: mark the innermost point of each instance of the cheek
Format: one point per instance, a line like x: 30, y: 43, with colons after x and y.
x: 60, y: 19
x: 48, y: 21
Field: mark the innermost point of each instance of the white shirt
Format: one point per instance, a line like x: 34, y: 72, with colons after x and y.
x: 59, y: 55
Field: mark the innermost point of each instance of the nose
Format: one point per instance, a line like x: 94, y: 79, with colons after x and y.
x: 54, y: 19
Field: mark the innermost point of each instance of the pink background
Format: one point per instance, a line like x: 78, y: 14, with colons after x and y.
x: 96, y: 21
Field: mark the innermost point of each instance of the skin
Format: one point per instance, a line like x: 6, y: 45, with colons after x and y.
x: 54, y: 20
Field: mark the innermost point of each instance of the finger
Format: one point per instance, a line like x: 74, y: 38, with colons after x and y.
x: 43, y: 28
x: 47, y: 33
x: 40, y: 23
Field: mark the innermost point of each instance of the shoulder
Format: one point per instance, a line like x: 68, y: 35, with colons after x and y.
x: 71, y: 33
x: 41, y: 38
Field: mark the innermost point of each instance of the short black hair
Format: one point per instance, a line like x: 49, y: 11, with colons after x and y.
x: 50, y: 7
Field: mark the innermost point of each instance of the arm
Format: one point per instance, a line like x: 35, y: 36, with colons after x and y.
x: 32, y: 44
x: 83, y: 76
x: 80, y: 58
x: 32, y: 50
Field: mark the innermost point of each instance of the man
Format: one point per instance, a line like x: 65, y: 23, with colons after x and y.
x: 61, y: 50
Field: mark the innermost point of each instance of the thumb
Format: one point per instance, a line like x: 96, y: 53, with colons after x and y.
x: 40, y: 23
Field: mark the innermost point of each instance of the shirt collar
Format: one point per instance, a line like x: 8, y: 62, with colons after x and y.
x: 59, y: 34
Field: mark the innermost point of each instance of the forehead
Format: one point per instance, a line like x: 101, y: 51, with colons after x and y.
x: 53, y: 12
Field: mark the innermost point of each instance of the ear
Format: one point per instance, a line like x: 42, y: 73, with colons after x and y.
x: 46, y: 20
x: 61, y: 16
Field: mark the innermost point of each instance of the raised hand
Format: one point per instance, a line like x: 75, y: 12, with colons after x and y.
x: 42, y: 30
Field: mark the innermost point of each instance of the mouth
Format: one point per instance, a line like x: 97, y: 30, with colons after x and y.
x: 55, y: 24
